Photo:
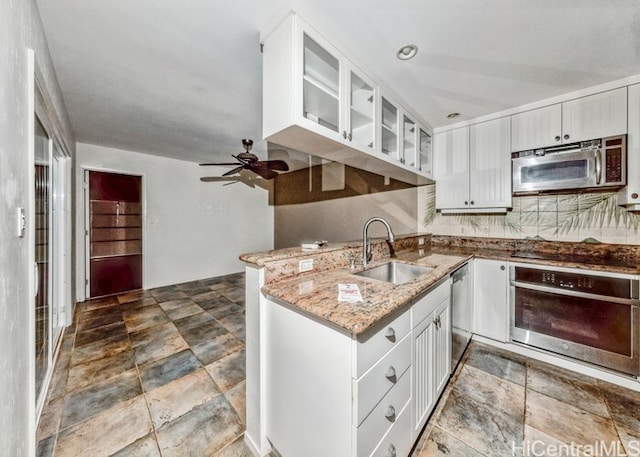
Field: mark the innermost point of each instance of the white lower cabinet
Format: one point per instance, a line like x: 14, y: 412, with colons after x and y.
x: 330, y: 394
x: 431, y: 353
x: 491, y: 299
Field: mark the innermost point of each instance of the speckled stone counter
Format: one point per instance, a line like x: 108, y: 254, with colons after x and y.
x: 317, y: 295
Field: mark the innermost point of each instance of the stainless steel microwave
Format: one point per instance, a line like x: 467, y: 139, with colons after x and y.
x: 585, y: 165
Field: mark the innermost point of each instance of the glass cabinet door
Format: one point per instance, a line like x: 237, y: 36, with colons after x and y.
x: 361, y: 112
x: 321, y: 86
x: 389, y: 129
x: 426, y: 155
x: 409, y: 156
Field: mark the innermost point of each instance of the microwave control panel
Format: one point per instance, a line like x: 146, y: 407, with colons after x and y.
x: 613, y: 163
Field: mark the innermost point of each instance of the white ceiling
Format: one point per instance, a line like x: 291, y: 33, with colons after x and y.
x: 183, y: 78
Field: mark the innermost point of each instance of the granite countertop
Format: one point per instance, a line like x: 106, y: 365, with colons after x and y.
x: 317, y: 295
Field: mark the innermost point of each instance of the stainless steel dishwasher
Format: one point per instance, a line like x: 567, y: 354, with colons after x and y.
x: 461, y: 313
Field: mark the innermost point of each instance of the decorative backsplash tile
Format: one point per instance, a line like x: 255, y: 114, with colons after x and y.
x: 567, y: 217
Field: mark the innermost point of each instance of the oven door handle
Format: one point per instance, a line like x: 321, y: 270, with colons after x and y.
x: 573, y: 293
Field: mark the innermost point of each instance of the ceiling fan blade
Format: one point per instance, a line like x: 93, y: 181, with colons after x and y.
x: 279, y: 165
x: 234, y: 171
x: 263, y: 172
x: 247, y: 156
x: 217, y: 164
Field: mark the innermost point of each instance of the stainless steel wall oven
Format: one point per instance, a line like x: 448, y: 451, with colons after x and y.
x: 590, y: 317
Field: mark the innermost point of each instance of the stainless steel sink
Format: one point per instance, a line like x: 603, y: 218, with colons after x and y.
x: 394, y: 272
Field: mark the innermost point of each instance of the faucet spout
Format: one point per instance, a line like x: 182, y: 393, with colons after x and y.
x: 366, y: 241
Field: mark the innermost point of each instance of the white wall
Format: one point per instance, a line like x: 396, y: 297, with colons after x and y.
x: 20, y: 28
x: 192, y: 229
x: 342, y: 219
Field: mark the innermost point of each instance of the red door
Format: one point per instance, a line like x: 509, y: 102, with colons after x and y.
x: 115, y: 235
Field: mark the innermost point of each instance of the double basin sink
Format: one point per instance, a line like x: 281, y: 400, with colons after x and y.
x: 394, y: 272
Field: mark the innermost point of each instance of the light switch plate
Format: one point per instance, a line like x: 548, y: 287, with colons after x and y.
x: 21, y: 222
x: 305, y: 265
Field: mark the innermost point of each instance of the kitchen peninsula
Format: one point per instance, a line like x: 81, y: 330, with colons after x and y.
x: 349, y: 378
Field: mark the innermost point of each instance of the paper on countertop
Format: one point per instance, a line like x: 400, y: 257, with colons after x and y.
x: 349, y: 293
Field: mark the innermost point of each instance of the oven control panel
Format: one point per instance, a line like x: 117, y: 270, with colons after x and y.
x: 578, y: 282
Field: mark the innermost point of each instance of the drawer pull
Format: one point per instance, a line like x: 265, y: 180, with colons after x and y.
x: 391, y: 374
x: 391, y: 334
x: 390, y: 414
x: 391, y: 452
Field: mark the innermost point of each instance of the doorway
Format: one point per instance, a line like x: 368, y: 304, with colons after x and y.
x: 114, y: 222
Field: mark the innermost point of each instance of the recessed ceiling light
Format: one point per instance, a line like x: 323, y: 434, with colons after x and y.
x: 407, y: 52
x: 453, y: 115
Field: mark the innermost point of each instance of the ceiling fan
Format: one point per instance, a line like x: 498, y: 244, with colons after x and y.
x: 248, y: 161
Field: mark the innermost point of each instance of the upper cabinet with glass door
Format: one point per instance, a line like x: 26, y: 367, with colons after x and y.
x: 316, y: 101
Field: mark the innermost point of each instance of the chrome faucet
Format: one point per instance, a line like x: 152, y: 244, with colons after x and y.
x: 366, y: 241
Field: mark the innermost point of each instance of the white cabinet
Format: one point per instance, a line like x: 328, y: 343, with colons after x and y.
x: 431, y: 352
x: 317, y: 101
x: 473, y: 167
x: 629, y: 196
x: 328, y: 393
x: 491, y: 299
x: 586, y: 118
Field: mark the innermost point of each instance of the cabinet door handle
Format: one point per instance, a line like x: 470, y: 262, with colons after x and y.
x: 344, y: 134
x: 466, y: 202
x: 391, y: 374
x: 391, y: 334
x: 557, y: 138
x: 349, y: 136
x: 391, y: 452
x: 472, y: 202
x: 390, y: 414
x: 566, y: 136
x: 502, y: 267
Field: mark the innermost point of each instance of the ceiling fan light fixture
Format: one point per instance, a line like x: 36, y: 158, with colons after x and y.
x: 406, y: 52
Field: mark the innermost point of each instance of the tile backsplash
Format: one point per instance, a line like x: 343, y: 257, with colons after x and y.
x: 566, y: 217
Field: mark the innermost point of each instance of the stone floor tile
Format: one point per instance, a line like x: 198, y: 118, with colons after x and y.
x: 498, y: 363
x: 566, y: 386
x: 99, y: 370
x: 203, y: 333
x: 215, y: 303
x: 233, y: 322
x: 184, y: 311
x: 211, y: 295
x: 623, y: 405
x: 195, y: 320
x: 233, y: 294
x: 100, y: 333
x: 441, y: 443
x: 565, y: 422
x: 88, y: 321
x: 170, y: 295
x: 156, y: 333
x: 236, y: 449
x: 238, y: 399
x: 228, y: 371
x: 144, y: 447
x: 108, y: 432
x: 173, y: 304
x: 50, y: 418
x: 202, y: 431
x: 160, y: 348
x: 178, y: 397
x: 147, y: 301
x: 133, y: 296
x: 505, y: 396
x: 160, y: 372
x: 141, y: 318
x: 102, y: 348
x: 98, y: 303
x: 46, y: 446
x: 96, y: 398
x: 217, y: 348
x: 480, y: 425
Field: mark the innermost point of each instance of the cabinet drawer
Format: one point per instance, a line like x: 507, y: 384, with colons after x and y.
x: 397, y: 442
x: 383, y: 416
x: 372, y: 350
x: 370, y: 388
x: 428, y: 304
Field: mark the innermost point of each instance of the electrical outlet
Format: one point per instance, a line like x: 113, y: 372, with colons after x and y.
x: 305, y: 265
x: 420, y: 252
x: 420, y: 241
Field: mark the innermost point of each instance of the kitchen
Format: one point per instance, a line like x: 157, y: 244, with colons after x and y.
x: 105, y: 141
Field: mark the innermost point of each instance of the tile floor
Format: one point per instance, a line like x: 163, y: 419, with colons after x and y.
x: 152, y: 373
x: 161, y: 373
x: 502, y: 404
